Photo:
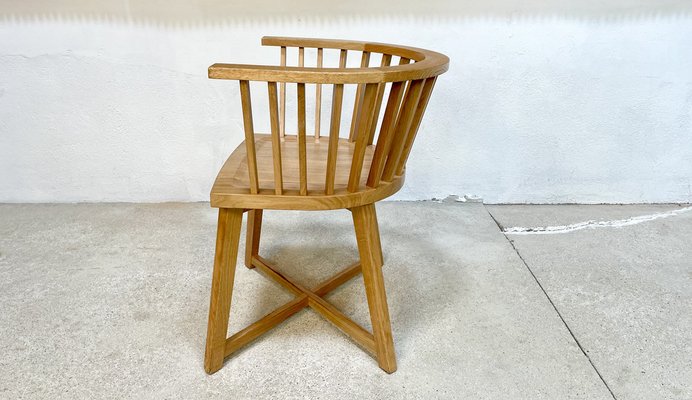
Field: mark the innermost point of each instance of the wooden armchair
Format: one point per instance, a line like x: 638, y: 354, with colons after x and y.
x: 297, y: 172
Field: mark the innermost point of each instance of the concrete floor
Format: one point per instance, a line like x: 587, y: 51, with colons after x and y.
x: 110, y: 301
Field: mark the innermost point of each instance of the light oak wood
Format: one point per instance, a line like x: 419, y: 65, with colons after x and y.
x: 337, y: 280
x: 324, y: 308
x: 334, y: 128
x: 233, y: 181
x: 292, y: 200
x: 263, y: 325
x: 283, y: 170
x: 361, y: 137
x: 256, y: 329
x: 343, y: 56
x: 403, y: 125
x: 276, y: 139
x: 250, y: 156
x: 282, y: 95
x: 302, y: 145
x: 386, y: 60
x: 333, y: 150
x: 368, y: 237
x: 252, y: 237
x: 415, y: 123
x: 227, y: 237
x: 427, y: 64
x: 364, y: 338
x: 318, y: 97
x: 358, y: 104
x: 384, y: 142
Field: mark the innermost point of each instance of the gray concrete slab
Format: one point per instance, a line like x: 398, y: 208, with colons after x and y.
x: 110, y: 301
x: 625, y: 291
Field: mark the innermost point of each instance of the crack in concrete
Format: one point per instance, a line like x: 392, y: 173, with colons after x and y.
x: 591, y: 224
x: 535, y: 278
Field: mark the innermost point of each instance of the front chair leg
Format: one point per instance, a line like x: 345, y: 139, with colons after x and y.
x: 252, y: 237
x: 227, y: 237
x: 368, y: 236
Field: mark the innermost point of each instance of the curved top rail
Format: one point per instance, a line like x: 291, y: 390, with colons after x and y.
x: 427, y: 64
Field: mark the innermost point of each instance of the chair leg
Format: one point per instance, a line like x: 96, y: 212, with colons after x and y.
x: 252, y: 238
x: 368, y: 236
x: 227, y: 237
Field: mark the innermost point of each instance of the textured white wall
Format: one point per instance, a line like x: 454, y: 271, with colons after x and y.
x: 102, y: 102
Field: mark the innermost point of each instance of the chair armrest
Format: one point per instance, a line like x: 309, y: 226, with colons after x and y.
x: 270, y: 73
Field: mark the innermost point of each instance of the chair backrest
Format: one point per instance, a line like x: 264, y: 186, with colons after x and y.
x: 406, y: 74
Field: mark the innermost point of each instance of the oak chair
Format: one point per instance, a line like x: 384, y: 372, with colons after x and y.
x: 283, y: 171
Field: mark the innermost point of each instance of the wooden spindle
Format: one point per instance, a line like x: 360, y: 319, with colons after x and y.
x: 384, y: 140
x: 369, y: 96
x: 386, y: 60
x: 249, y: 136
x: 276, y: 137
x: 415, y: 124
x: 282, y: 95
x: 403, y: 124
x: 334, y: 128
x: 302, y: 151
x: 343, y: 54
x: 358, y: 104
x: 318, y: 98
x: 337, y: 100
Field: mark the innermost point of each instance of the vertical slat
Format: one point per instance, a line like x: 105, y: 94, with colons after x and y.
x: 337, y: 100
x: 358, y: 104
x: 384, y: 140
x: 334, y: 127
x: 386, y: 60
x: 301, y: 63
x: 249, y: 136
x: 282, y: 95
x: 318, y: 98
x: 342, y: 58
x: 411, y: 136
x: 276, y: 138
x: 302, y: 156
x: 370, y: 93
x: 403, y: 125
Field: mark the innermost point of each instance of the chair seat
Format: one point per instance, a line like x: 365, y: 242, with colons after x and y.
x: 232, y: 182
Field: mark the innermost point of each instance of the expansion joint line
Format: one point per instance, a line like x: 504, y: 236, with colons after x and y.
x: 535, y: 278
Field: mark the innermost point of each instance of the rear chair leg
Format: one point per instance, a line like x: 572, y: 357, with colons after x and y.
x: 368, y: 236
x: 227, y: 237
x: 252, y: 239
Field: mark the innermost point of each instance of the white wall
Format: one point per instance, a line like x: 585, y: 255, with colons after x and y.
x: 542, y: 103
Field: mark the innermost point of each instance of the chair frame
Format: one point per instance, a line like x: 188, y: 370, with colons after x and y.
x: 411, y: 83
